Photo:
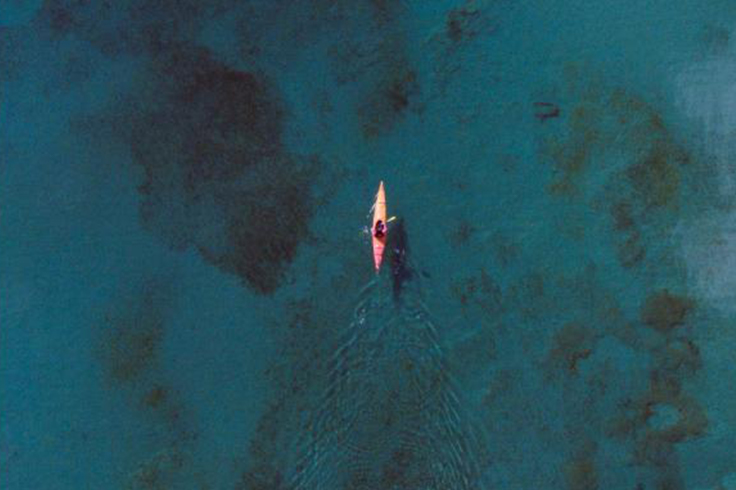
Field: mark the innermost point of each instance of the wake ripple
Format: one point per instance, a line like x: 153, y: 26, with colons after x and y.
x: 390, y: 417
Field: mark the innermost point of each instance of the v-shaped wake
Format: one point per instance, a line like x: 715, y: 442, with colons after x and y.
x: 390, y: 416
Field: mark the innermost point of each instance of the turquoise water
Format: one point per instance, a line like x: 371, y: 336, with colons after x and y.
x: 187, y: 297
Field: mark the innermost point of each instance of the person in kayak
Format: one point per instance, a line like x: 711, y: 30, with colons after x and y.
x: 380, y: 230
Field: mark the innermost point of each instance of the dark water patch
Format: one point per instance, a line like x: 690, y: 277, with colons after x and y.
x: 505, y: 249
x: 162, y: 404
x: 622, y: 216
x: 478, y: 291
x: 156, y: 472
x: 463, y: 27
x: 473, y: 355
x: 131, y: 338
x: 462, y: 233
x: 580, y: 473
x: 168, y: 469
x: 278, y: 33
x: 397, y: 93
x: 575, y: 303
x: 630, y: 249
x: 216, y: 176
x: 615, y: 153
x: 265, y: 465
x: 657, y: 419
x: 656, y: 179
x: 296, y: 377
x: 680, y: 356
x: 281, y: 32
x: 262, y: 236
x: 571, y: 158
x: 602, y: 122
x: 365, y: 48
x: 715, y: 39
x: 70, y: 71
x: 576, y: 311
x: 495, y: 396
x: 363, y: 43
x: 45, y: 63
x: 76, y: 69
x: 528, y: 294
x: 571, y: 344
x: 195, y: 91
x: 12, y: 60
x: 128, y: 27
x: 155, y: 397
x: 656, y: 411
x: 462, y: 22
x: 129, y: 351
x: 350, y: 59
x: 387, y: 11
x: 654, y: 445
x: 59, y: 17
x: 579, y: 372
x: 664, y: 311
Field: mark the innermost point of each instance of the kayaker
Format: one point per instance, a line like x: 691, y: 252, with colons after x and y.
x: 380, y: 229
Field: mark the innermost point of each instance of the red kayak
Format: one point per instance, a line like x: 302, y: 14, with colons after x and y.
x: 379, y: 230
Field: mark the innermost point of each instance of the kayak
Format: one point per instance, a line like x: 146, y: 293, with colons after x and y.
x: 379, y: 230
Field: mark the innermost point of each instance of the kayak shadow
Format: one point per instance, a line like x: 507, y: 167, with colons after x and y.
x: 391, y: 414
x: 400, y: 266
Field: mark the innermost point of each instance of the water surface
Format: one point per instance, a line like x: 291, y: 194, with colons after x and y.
x: 187, y: 297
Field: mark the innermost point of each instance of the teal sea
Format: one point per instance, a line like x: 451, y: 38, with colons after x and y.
x: 187, y: 293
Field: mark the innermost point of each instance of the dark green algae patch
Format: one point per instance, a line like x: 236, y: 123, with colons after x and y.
x: 206, y: 137
x: 621, y: 365
x: 128, y: 351
x: 215, y: 175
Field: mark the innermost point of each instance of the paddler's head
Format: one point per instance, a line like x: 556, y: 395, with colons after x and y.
x: 379, y: 231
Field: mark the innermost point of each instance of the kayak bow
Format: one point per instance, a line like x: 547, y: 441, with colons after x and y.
x: 379, y: 216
